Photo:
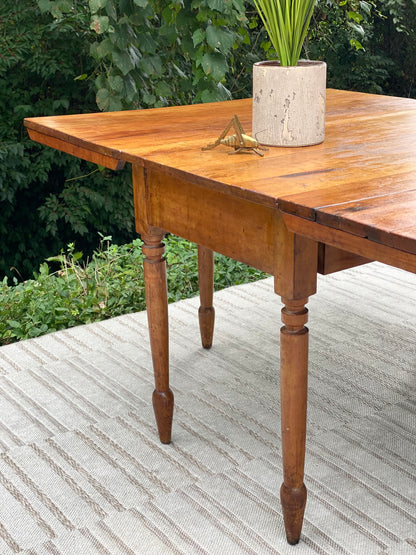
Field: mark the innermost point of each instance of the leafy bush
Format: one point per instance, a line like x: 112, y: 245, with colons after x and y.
x: 40, y: 211
x: 153, y: 53
x: 108, y: 285
x: 369, y: 46
x: 394, y: 37
x: 342, y: 35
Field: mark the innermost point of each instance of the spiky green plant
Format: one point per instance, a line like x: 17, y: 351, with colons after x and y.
x: 287, y: 23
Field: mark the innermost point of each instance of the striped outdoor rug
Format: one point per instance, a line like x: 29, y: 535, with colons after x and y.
x: 82, y: 471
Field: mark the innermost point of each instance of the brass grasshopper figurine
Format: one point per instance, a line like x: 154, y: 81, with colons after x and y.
x: 240, y: 141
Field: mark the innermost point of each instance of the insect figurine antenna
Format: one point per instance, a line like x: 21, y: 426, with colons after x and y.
x: 255, y: 136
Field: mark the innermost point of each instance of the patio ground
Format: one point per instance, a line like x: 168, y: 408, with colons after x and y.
x: 82, y: 471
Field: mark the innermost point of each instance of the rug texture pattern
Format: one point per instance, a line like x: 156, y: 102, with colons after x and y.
x: 82, y: 471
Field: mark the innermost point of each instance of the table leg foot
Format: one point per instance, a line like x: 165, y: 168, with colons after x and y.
x: 206, y: 325
x: 293, y: 506
x: 293, y: 383
x: 206, y: 311
x: 163, y: 409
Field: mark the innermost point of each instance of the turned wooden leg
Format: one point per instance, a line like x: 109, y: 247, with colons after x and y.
x: 294, y: 374
x: 157, y: 313
x: 206, y: 311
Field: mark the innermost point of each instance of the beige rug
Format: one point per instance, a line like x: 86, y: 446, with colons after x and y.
x: 82, y: 471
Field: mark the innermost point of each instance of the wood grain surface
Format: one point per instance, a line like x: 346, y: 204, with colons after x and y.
x: 362, y: 179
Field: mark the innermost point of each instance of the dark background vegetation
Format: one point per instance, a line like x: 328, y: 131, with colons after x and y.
x: 69, y: 56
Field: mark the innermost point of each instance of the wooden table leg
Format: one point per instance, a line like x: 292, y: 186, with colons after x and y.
x: 206, y: 311
x: 295, y: 282
x: 157, y: 313
x: 294, y: 377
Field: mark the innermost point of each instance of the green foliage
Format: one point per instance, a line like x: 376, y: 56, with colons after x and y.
x: 150, y: 53
x: 342, y: 34
x: 73, y: 295
x: 394, y: 37
x: 99, y: 199
x: 108, y: 285
x: 39, y: 209
x: 287, y: 24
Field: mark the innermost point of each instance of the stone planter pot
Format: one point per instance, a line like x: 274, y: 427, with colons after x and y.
x: 289, y: 103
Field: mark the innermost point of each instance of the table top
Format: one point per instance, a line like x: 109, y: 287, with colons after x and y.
x: 361, y: 179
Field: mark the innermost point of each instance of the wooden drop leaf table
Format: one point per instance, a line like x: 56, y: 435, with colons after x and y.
x: 292, y: 213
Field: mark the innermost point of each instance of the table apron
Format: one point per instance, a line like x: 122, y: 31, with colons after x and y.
x: 235, y: 227
x: 355, y: 244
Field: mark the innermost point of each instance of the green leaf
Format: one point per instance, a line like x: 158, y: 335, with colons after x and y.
x: 100, y: 24
x: 238, y: 5
x: 218, y: 5
x: 141, y: 3
x: 116, y: 83
x: 130, y: 88
x: 93, y: 50
x: 104, y: 48
x: 146, y: 43
x: 45, y: 5
x: 215, y: 94
x: 149, y: 99
x: 198, y: 36
x: 13, y: 324
x: 219, y: 38
x: 60, y: 102
x: 168, y: 15
x: 123, y: 61
x: 55, y: 11
x: 198, y: 57
x: 357, y: 28
x: 135, y: 55
x: 44, y: 269
x: 111, y: 10
x: 115, y: 105
x: 169, y: 34
x: 357, y: 17
x: 77, y: 255
x: 356, y: 44
x: 103, y: 99
x: 215, y: 65
x: 152, y: 66
x: 366, y: 7
x: 64, y: 6
x: 25, y: 109
x: 100, y: 82
x: 163, y: 89
x: 223, y: 92
x: 96, y: 5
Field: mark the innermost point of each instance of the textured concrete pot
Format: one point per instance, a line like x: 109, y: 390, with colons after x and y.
x: 289, y: 103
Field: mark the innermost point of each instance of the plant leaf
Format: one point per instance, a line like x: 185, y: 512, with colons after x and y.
x: 214, y: 64
x: 219, y: 38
